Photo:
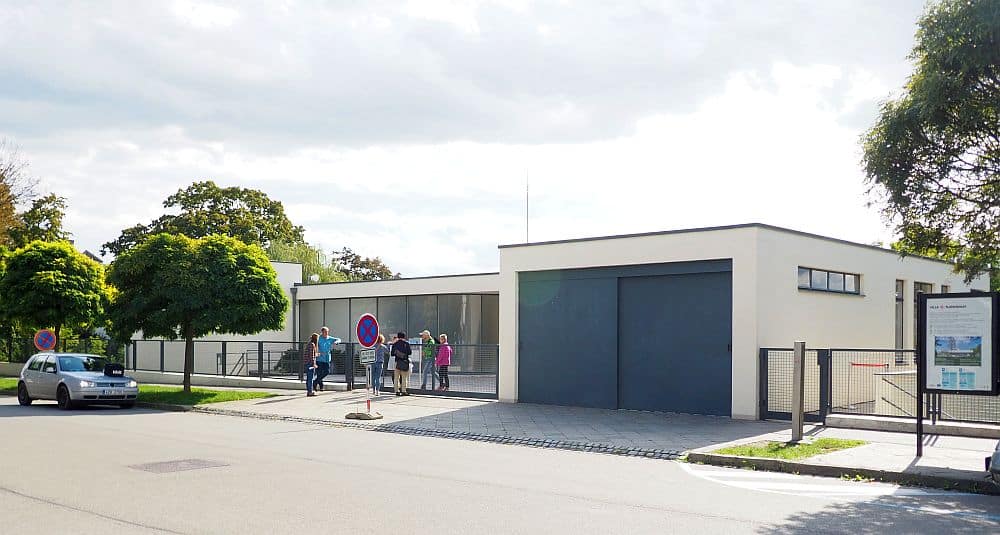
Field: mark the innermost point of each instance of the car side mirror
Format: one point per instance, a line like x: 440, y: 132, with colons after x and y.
x: 50, y: 370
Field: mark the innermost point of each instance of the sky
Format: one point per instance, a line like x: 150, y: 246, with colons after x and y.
x: 408, y: 130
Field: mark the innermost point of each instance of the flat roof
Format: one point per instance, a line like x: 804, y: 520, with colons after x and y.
x: 725, y: 227
x: 402, y: 279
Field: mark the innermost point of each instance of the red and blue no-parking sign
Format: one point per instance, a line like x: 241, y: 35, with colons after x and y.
x: 367, y: 331
x: 45, y: 340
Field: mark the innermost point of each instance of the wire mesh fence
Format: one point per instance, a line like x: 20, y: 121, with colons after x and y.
x: 21, y: 349
x: 872, y: 382
x: 473, y: 371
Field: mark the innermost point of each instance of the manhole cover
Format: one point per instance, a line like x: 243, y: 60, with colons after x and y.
x: 177, y: 466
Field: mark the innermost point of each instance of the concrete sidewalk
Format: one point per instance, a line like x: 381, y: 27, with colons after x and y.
x: 889, y: 456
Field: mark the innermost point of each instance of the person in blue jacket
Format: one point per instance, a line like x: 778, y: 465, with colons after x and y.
x: 325, y: 343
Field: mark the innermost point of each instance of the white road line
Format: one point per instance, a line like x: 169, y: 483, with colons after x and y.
x: 792, y: 484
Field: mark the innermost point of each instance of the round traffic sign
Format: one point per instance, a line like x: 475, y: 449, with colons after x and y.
x: 367, y: 331
x: 45, y: 340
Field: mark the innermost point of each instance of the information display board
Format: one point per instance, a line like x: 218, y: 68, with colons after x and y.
x: 958, y: 342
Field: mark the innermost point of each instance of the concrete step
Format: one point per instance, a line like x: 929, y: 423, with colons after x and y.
x: 909, y: 425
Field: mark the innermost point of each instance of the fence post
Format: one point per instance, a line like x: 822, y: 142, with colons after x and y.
x: 260, y: 359
x: 349, y: 365
x: 798, y: 387
x: 135, y: 355
x: 825, y: 361
x: 162, y: 350
x: 224, y: 359
x: 762, y: 384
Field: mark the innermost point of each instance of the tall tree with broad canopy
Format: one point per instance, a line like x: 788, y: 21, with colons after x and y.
x: 51, y: 284
x: 362, y: 269
x: 248, y: 215
x: 16, y: 187
x: 933, y: 156
x: 172, y: 286
x: 42, y: 222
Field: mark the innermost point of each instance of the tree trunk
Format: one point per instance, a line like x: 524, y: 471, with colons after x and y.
x: 188, y: 357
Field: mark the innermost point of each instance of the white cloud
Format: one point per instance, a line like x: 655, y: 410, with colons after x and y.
x: 204, y: 15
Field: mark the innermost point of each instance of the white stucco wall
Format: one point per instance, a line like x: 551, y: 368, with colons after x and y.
x: 450, y: 284
x: 825, y: 319
x: 769, y: 310
x: 737, y: 244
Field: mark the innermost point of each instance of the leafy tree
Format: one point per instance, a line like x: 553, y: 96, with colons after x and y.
x: 42, y: 222
x: 172, y: 286
x: 51, y: 284
x: 313, y: 260
x: 16, y: 186
x: 933, y: 155
x: 248, y: 215
x: 362, y: 269
x: 950, y: 250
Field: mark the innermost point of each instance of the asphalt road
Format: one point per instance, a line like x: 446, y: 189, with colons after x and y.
x: 79, y: 472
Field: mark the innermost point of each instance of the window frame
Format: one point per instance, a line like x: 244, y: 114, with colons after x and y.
x: 829, y: 274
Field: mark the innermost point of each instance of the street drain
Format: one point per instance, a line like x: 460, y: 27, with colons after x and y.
x: 181, y: 465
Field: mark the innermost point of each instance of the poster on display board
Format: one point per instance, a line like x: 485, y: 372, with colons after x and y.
x: 959, y: 343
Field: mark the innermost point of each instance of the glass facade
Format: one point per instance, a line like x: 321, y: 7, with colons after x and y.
x: 465, y: 318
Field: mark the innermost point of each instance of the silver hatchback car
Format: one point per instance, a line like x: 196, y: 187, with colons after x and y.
x: 74, y: 379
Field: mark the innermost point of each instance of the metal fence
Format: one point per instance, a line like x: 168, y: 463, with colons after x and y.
x: 21, y: 349
x: 473, y: 372
x: 875, y: 382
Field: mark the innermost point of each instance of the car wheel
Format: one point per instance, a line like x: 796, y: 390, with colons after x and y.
x: 63, y: 399
x: 129, y: 405
x: 22, y: 395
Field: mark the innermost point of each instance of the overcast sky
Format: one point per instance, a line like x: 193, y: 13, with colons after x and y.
x: 405, y: 129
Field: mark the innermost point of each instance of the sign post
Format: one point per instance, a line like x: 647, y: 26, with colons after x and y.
x: 45, y: 340
x: 957, y: 348
x: 367, y: 335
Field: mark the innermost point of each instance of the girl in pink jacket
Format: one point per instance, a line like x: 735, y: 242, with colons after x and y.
x: 443, y: 360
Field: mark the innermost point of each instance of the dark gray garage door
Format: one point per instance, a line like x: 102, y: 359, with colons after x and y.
x: 674, y: 343
x: 592, y: 337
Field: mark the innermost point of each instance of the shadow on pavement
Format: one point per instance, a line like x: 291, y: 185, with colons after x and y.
x: 890, y: 514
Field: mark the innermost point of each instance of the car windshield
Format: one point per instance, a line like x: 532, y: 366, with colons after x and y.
x: 81, y: 364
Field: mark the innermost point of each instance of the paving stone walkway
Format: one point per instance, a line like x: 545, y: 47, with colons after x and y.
x: 647, y: 431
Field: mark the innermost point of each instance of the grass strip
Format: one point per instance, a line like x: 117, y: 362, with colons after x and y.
x: 8, y: 385
x: 198, y: 396
x: 789, y: 451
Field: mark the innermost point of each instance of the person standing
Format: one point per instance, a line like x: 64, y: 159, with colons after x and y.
x: 443, y: 360
x: 323, y: 359
x: 309, y: 362
x: 401, y: 352
x: 427, y: 350
x: 390, y: 363
x: 381, y: 352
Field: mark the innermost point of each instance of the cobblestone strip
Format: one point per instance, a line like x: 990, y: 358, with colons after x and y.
x: 459, y: 435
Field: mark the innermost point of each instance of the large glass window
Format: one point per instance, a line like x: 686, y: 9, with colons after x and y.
x: 919, y: 288
x: 421, y: 312
x: 391, y: 315
x: 310, y: 318
x: 899, y: 314
x: 460, y: 317
x: 338, y: 319
x: 491, y: 320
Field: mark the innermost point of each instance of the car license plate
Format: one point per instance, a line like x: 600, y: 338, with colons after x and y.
x: 113, y: 392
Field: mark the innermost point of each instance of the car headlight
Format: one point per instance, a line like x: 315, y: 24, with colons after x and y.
x: 87, y: 384
x: 132, y: 384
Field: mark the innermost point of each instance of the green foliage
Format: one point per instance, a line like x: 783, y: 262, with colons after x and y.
x: 51, y: 284
x: 357, y: 268
x: 313, y: 261
x: 789, y: 450
x: 919, y: 241
x: 248, y: 215
x: 16, y: 187
x: 42, y: 222
x: 197, y: 396
x: 172, y: 286
x: 933, y: 155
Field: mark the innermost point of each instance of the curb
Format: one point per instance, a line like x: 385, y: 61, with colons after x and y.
x: 164, y: 406
x: 983, y: 486
x: 459, y: 435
